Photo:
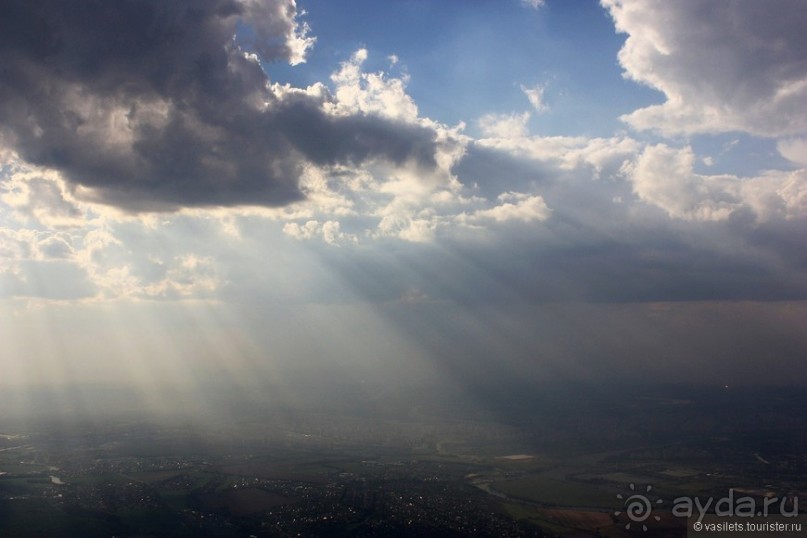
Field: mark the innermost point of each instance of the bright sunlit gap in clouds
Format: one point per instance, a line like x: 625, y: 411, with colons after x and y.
x: 226, y: 203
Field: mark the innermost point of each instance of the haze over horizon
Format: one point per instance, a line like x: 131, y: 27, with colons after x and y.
x: 407, y: 194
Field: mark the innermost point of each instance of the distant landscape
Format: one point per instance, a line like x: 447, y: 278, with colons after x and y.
x: 545, y: 461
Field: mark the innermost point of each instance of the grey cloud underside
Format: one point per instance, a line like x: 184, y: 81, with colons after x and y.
x: 593, y: 248
x: 153, y: 106
x: 484, y: 168
x: 550, y: 268
x: 565, y: 260
x: 771, y: 46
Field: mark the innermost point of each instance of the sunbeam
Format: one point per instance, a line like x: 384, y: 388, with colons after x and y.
x: 304, y: 268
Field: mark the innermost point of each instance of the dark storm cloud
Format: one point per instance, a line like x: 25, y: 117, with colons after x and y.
x: 153, y: 105
x: 329, y: 140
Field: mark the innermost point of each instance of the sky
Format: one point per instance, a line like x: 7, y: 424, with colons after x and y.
x: 402, y: 192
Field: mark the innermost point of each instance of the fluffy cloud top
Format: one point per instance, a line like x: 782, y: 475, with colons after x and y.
x: 515, y: 206
x: 722, y: 65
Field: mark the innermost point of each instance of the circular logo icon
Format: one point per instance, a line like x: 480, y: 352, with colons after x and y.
x: 637, y: 506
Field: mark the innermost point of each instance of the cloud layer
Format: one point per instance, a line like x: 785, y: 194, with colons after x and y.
x: 346, y: 180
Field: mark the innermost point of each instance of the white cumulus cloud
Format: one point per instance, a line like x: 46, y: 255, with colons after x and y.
x: 722, y: 65
x: 663, y: 176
